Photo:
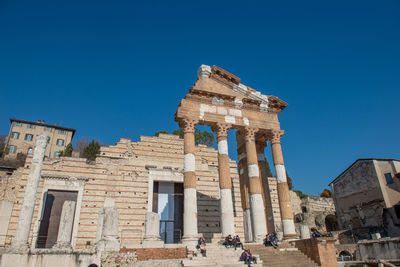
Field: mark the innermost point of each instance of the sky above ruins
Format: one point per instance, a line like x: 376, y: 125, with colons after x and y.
x: 114, y: 69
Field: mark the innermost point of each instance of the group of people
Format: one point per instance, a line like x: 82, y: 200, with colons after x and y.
x: 315, y: 233
x: 233, y: 242
x: 271, y: 240
x: 229, y: 242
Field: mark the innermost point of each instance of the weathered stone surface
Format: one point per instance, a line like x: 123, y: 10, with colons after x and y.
x: 66, y: 225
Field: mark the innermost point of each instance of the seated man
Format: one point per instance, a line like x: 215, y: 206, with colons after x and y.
x: 237, y: 242
x: 267, y: 241
x: 273, y: 240
x: 243, y: 256
x: 250, y: 258
x: 315, y: 233
x: 228, y: 241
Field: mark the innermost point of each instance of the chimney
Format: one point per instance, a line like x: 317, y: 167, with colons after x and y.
x: 38, y: 121
x: 56, y: 124
x: 42, y: 121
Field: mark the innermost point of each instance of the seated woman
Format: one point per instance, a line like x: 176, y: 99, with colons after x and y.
x: 201, y: 239
x: 273, y: 240
x: 203, y: 249
x: 243, y: 256
x: 315, y: 233
x: 237, y: 242
x: 267, y: 241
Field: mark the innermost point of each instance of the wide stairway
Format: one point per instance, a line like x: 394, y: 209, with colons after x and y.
x: 218, y: 256
x: 285, y: 256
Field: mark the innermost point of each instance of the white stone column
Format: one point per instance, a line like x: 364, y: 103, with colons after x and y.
x: 190, y: 232
x: 110, y: 240
x: 66, y: 225
x: 258, y: 221
x: 226, y: 206
x: 285, y: 204
x: 20, y: 242
x: 304, y: 231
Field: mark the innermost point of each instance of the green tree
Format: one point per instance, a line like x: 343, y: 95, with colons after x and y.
x: 326, y: 193
x: 68, y: 150
x: 158, y: 133
x: 300, y: 194
x: 204, y: 138
x: 92, y: 150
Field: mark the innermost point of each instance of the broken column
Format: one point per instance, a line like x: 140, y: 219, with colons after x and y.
x: 190, y: 233
x: 152, y: 231
x: 258, y: 221
x: 225, y: 183
x: 304, y: 232
x: 20, y: 242
x: 66, y: 225
x: 285, y: 203
x: 109, y: 237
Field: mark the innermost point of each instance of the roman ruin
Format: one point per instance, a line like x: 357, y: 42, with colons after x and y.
x: 153, y: 198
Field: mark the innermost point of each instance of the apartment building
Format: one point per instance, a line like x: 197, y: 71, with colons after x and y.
x: 21, y: 138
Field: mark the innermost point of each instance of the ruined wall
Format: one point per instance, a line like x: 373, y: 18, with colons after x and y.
x: 312, y: 211
x: 123, y: 172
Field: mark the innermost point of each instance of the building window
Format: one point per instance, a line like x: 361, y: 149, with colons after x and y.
x: 15, y: 135
x: 389, y: 178
x: 17, y: 124
x: 57, y: 155
x: 12, y: 149
x: 30, y: 150
x: 62, y: 131
x: 48, y: 129
x: 28, y: 137
x: 31, y: 126
x: 60, y: 142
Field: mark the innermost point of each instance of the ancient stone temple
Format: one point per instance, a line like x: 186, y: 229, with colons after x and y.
x: 153, y: 198
x: 219, y: 100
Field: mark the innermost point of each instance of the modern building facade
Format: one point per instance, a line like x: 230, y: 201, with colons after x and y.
x: 367, y: 195
x: 22, y: 136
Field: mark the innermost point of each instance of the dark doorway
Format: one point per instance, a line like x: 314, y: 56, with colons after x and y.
x: 168, y: 203
x: 331, y: 223
x: 53, y: 201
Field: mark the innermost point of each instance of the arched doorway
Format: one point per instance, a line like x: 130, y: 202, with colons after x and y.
x: 331, y: 223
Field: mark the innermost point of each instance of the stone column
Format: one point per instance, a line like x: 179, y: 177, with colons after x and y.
x: 285, y: 203
x: 190, y: 233
x: 66, y: 225
x: 258, y: 222
x: 244, y: 186
x: 225, y: 183
x: 25, y: 216
x: 262, y: 164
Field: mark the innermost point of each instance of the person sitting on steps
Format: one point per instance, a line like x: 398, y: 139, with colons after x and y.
x: 237, y: 242
x: 228, y: 241
x: 203, y: 249
x: 201, y: 239
x: 249, y: 258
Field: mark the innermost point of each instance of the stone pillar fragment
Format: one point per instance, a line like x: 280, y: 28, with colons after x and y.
x: 190, y: 232
x: 225, y: 183
x: 66, y: 225
x: 258, y: 222
x: 285, y: 203
x: 304, y: 232
x: 244, y: 186
x: 152, y: 231
x: 20, y: 242
x: 109, y: 238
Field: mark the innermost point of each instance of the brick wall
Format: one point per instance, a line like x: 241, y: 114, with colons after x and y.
x: 320, y: 250
x: 144, y: 254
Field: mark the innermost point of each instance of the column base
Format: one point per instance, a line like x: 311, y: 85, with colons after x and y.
x: 190, y: 240
x: 288, y: 237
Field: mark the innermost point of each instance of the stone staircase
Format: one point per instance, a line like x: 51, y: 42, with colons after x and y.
x: 218, y: 256
x: 285, y: 256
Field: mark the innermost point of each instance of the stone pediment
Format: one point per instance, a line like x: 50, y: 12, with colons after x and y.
x: 219, y: 96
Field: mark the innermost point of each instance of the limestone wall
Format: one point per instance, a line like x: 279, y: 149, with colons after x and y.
x: 123, y: 172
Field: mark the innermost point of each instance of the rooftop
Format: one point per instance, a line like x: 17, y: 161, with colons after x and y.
x: 41, y: 123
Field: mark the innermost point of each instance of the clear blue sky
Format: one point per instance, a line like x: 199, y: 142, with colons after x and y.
x: 114, y: 69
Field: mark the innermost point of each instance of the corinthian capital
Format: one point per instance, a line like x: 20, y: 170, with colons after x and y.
x: 250, y: 133
x: 188, y: 125
x: 276, y: 136
x: 221, y: 129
